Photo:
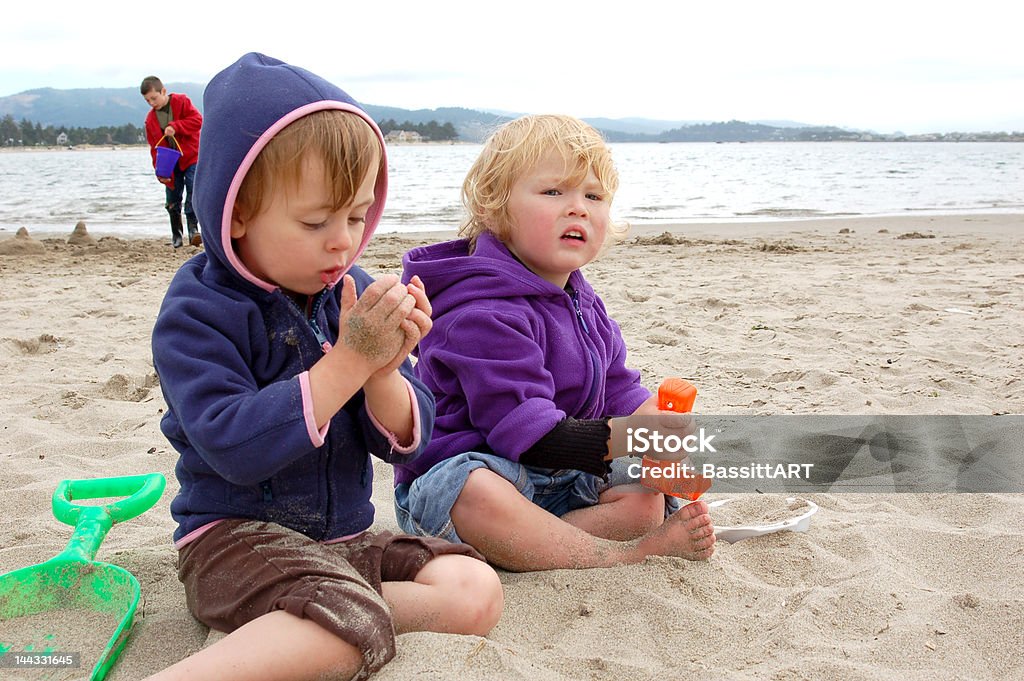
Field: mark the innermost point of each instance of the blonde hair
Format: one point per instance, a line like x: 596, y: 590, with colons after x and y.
x: 516, y: 148
x: 345, y: 144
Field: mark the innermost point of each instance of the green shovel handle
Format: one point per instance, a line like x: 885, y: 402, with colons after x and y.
x: 92, y: 523
x: 139, y: 492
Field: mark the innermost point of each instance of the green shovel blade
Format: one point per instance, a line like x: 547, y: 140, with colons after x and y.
x: 61, y: 606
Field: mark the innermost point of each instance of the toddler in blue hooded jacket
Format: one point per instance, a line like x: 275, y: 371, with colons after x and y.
x: 284, y: 368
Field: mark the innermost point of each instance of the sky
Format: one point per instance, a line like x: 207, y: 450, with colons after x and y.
x: 901, y: 65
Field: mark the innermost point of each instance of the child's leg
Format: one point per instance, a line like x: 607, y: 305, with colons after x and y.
x: 623, y: 512
x: 492, y: 515
x: 243, y: 577
x: 277, y: 646
x: 451, y: 594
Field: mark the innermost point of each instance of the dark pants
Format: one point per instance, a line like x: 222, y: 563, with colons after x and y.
x: 241, y: 569
x: 182, y: 187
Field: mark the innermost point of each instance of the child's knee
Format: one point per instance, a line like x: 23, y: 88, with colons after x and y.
x: 483, y: 490
x: 475, y: 595
x: 483, y: 598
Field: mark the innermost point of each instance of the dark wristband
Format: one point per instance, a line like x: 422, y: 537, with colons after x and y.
x: 579, y: 444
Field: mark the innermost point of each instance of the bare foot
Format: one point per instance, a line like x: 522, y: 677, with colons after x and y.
x: 687, y: 533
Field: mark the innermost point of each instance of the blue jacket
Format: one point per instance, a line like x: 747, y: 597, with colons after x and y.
x: 511, y: 354
x: 233, y: 351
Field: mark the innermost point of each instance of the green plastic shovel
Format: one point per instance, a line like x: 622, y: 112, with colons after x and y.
x: 33, y: 600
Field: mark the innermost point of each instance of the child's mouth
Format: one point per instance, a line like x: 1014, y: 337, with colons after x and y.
x: 575, y: 235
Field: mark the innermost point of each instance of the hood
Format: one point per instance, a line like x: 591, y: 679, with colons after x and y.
x: 452, y: 276
x: 244, y: 106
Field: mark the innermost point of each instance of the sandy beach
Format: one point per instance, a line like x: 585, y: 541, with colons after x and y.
x: 907, y: 315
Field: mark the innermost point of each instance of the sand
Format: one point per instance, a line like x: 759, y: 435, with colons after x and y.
x: 86, y: 632
x: 910, y: 315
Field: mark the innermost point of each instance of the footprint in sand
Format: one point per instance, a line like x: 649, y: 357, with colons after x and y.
x: 662, y: 338
x: 637, y: 297
x: 41, y: 345
x: 73, y: 400
x: 128, y: 388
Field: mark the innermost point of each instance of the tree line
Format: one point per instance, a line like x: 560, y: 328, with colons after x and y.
x: 431, y: 131
x: 25, y: 133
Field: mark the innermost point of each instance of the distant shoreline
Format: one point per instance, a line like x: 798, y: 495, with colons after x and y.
x: 76, y: 147
x: 907, y: 140
x: 120, y: 147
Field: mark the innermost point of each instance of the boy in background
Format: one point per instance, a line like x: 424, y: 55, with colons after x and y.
x: 174, y: 116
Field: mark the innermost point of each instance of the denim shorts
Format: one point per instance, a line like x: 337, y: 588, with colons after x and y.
x: 424, y: 506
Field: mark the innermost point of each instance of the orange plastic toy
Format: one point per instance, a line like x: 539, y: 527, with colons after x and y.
x: 678, y: 395
x: 675, y: 394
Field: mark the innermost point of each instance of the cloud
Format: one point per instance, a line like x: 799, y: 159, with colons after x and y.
x: 872, y: 64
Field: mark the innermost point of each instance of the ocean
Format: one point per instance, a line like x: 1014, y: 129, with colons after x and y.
x: 114, y: 191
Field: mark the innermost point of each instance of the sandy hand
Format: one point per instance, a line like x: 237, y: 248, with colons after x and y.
x: 421, y: 314
x: 376, y: 325
x: 667, y: 413
x: 416, y: 325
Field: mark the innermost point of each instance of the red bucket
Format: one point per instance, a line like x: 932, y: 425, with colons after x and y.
x: 166, y: 159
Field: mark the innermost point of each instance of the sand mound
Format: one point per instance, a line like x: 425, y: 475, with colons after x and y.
x: 21, y: 244
x: 80, y: 236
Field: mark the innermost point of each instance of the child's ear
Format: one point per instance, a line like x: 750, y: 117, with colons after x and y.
x: 237, y: 223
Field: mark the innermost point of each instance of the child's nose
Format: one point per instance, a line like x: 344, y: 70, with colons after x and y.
x: 577, y: 205
x: 339, y: 238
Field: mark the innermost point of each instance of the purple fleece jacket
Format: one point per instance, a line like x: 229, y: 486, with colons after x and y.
x: 510, y: 354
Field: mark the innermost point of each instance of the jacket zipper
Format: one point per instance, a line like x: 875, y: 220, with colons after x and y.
x: 317, y: 305
x: 594, y: 364
x: 313, y: 308
x: 579, y: 310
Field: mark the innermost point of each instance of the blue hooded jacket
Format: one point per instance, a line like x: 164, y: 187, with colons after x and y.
x: 233, y: 351
x: 511, y: 354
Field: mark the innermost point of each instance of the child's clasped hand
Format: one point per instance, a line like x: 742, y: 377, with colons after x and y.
x: 385, y: 323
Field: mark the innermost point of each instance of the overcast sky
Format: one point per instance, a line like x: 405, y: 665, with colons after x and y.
x: 885, y: 66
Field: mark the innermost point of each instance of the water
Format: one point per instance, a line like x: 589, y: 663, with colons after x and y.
x: 114, y: 190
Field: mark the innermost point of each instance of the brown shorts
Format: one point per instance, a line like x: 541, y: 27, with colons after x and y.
x: 239, y: 570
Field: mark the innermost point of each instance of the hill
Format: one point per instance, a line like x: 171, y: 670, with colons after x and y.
x: 472, y: 125
x: 87, y: 107
x: 98, y: 107
x: 101, y: 107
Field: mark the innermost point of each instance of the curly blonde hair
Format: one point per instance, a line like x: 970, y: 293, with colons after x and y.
x: 516, y: 148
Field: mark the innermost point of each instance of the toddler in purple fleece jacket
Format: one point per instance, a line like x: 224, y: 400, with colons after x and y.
x: 527, y: 370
